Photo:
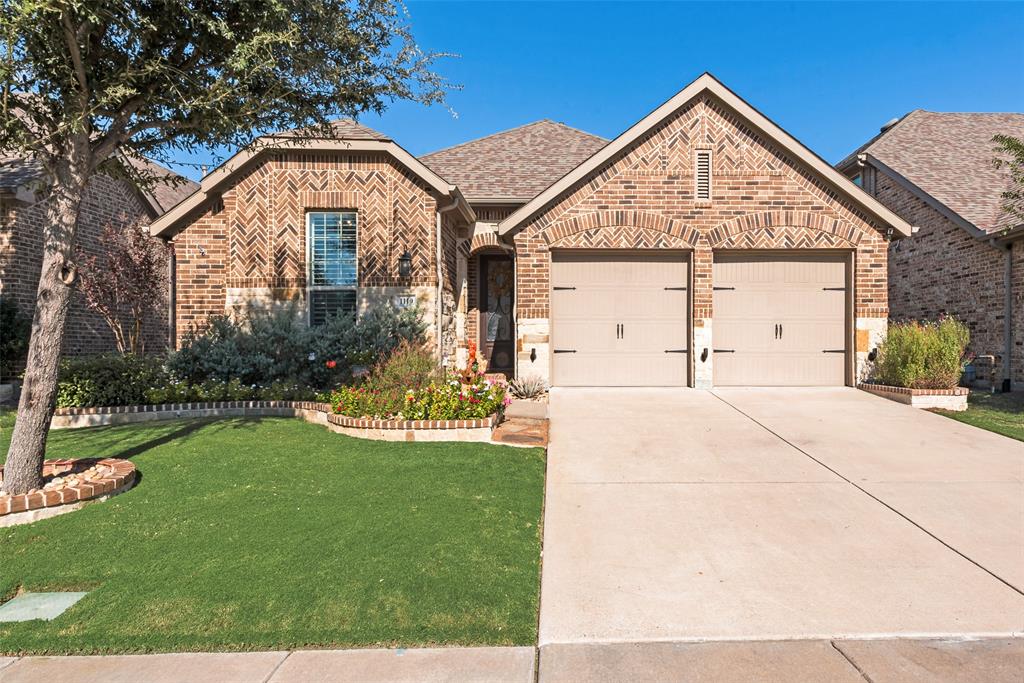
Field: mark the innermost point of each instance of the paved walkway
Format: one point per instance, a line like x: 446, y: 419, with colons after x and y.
x: 883, y: 661
x: 746, y: 514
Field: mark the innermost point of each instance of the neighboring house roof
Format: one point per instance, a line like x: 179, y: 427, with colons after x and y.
x: 949, y: 156
x: 514, y: 165
x: 708, y: 83
x: 348, y: 136
x: 18, y: 175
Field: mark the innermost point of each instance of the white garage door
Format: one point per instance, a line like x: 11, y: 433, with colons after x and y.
x: 619, y: 319
x: 779, y: 319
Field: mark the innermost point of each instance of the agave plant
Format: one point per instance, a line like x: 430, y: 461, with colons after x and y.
x: 530, y: 386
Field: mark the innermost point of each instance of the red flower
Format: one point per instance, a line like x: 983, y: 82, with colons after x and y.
x: 331, y: 364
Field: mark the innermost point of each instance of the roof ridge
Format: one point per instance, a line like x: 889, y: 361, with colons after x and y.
x: 503, y: 132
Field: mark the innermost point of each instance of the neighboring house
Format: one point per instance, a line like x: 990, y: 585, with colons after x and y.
x: 107, y: 201
x: 703, y: 246
x: 966, y: 257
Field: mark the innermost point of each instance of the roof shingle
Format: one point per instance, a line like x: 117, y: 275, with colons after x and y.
x: 514, y: 165
x: 949, y: 156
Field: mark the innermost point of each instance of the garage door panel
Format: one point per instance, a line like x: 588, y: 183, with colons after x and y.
x: 621, y: 315
x: 781, y: 316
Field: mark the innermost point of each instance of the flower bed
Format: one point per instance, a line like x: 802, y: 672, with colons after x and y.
x: 67, y: 484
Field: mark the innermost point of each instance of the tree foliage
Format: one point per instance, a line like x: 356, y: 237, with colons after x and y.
x: 1010, y: 154
x: 88, y: 85
x: 151, y: 76
x: 125, y: 283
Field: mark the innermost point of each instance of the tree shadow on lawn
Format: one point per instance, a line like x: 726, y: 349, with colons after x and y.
x: 127, y: 441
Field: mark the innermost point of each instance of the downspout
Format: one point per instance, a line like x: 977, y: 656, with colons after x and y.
x: 172, y: 296
x: 439, y: 304
x: 1008, y: 317
x: 1007, y: 383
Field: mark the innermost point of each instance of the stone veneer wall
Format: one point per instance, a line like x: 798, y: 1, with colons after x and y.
x: 107, y: 201
x: 944, y: 270
x: 644, y: 198
x: 251, y: 245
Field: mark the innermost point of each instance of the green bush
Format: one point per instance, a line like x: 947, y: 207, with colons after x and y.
x: 273, y: 345
x: 15, y: 330
x: 175, y: 391
x: 923, y: 355
x: 108, y: 380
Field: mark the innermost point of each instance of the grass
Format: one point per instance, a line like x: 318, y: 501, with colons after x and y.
x: 999, y: 413
x: 274, y: 533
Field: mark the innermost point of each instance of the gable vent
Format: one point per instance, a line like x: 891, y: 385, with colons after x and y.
x: 703, y: 175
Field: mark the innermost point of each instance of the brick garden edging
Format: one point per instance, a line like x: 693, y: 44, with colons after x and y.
x: 944, y: 399
x: 114, y: 476
x: 311, y: 411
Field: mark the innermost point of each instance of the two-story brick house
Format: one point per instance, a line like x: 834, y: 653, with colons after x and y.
x: 966, y: 257
x: 703, y: 246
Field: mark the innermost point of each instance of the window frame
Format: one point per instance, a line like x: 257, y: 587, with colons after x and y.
x: 310, y: 287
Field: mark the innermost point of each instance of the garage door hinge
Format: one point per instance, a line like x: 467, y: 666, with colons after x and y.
x: 675, y: 289
x: 565, y: 350
x: 725, y: 350
x: 561, y: 289
x: 676, y: 350
x: 834, y: 289
x: 834, y: 351
x: 719, y: 289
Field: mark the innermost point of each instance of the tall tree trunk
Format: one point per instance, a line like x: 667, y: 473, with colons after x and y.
x: 24, y: 467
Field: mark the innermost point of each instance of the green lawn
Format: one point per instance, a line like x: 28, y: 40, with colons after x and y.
x: 999, y: 413
x: 274, y: 533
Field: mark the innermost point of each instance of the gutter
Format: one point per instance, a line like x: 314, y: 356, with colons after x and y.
x: 439, y: 293
x: 1005, y: 242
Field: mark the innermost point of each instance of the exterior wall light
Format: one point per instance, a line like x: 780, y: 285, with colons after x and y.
x: 405, y: 265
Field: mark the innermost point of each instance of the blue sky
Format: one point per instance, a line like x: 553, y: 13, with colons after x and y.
x: 829, y: 73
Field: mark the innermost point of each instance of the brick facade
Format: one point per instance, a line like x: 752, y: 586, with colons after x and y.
x: 106, y: 201
x: 251, y: 245
x: 944, y: 270
x: 644, y: 198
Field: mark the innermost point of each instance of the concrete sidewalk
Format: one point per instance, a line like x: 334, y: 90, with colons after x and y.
x: 427, y: 665
x: 839, y: 661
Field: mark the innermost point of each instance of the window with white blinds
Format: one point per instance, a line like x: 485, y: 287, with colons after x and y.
x: 702, y: 176
x: 332, y: 258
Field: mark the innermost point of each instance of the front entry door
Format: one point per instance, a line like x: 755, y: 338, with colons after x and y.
x: 497, y: 339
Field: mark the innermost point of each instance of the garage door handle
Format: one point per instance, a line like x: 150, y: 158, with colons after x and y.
x: 676, y: 350
x: 776, y: 330
x: 565, y: 350
x: 725, y: 350
x: 834, y: 351
x: 563, y: 289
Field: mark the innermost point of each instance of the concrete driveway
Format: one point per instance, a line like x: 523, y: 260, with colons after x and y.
x: 766, y: 514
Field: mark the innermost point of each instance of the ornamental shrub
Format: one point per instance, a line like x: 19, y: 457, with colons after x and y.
x: 268, y: 345
x: 108, y: 380
x: 923, y: 355
x: 15, y: 330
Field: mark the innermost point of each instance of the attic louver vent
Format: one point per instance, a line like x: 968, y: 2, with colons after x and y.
x: 703, y: 175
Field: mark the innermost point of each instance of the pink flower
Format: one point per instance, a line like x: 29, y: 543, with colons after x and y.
x: 331, y: 364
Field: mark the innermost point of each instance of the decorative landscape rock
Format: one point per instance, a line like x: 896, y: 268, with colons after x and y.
x: 67, y: 485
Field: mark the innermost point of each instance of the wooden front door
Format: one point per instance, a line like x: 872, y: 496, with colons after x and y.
x: 497, y: 336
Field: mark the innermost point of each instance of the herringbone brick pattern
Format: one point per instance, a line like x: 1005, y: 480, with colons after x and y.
x: 761, y: 199
x: 262, y: 227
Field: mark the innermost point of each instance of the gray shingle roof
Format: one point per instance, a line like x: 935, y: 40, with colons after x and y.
x: 515, y: 164
x: 949, y: 156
